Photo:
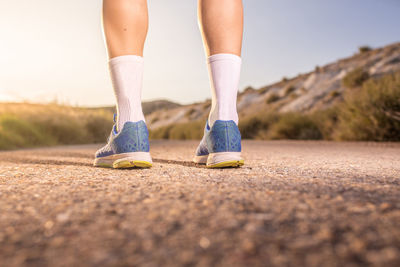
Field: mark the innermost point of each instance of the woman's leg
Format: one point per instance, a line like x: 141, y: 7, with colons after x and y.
x: 221, y: 24
x: 125, y: 28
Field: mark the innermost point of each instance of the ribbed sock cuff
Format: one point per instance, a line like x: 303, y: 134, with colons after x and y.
x: 127, y: 58
x: 217, y: 57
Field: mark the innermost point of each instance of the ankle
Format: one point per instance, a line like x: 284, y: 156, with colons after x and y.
x: 223, y: 115
x: 129, y: 115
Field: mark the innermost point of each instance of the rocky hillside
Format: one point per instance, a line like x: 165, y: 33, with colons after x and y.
x: 315, y: 90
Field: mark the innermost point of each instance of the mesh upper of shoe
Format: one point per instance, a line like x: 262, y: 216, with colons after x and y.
x: 134, y: 137
x: 224, y: 136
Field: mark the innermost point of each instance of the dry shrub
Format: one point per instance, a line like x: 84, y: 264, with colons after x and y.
x: 30, y: 125
x: 355, y: 78
x: 372, y: 112
x: 272, y: 98
x: 251, y: 127
x: 290, y: 89
x: 294, y: 126
x: 364, y: 49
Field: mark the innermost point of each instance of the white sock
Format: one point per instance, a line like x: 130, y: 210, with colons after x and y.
x: 224, y: 71
x: 127, y: 78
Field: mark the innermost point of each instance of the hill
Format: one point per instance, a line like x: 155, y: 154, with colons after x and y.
x: 316, y: 90
x: 356, y: 98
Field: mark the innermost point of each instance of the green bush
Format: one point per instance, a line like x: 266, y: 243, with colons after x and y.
x: 355, y: 78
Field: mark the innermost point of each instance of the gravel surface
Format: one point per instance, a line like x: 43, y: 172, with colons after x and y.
x: 292, y: 204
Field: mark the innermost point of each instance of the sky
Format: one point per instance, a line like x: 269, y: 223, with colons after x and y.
x: 53, y: 50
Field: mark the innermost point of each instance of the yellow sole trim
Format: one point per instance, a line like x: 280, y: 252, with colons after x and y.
x: 227, y: 164
x: 127, y: 164
x: 103, y: 165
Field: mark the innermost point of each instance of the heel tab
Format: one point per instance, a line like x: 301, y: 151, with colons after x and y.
x: 219, y: 123
x: 131, y: 124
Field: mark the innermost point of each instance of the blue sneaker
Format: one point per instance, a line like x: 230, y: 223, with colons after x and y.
x: 220, y: 146
x: 128, y: 148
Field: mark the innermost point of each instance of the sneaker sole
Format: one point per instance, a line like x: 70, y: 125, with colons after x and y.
x: 220, y: 160
x: 227, y: 164
x: 127, y: 164
x: 125, y: 161
x: 200, y: 159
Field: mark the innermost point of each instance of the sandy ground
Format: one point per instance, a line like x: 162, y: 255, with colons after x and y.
x: 292, y: 204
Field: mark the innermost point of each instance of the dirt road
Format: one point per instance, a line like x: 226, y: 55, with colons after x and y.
x: 292, y: 204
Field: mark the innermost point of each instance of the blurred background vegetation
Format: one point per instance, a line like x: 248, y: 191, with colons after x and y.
x: 369, y: 111
x: 30, y: 125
